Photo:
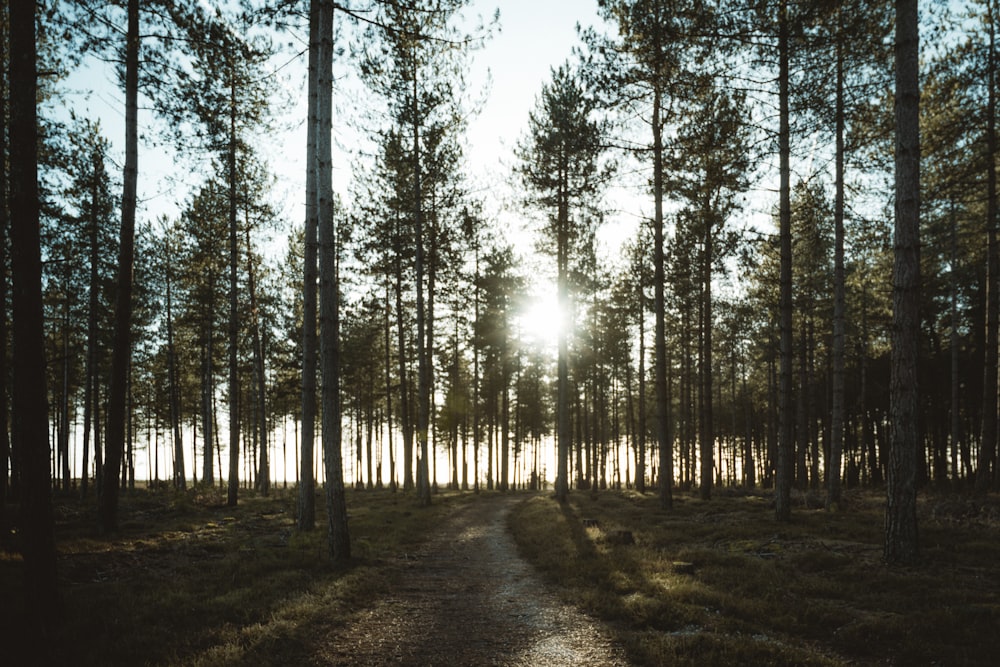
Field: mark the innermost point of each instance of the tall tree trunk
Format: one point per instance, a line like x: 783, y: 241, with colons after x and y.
x: 122, y: 348
x: 307, y: 484
x: 640, y: 470
x: 5, y: 450
x: 207, y: 394
x: 90, y: 386
x: 835, y: 462
x: 786, y: 441
x: 988, y: 439
x: 901, y: 545
x: 660, y: 340
x: 234, y: 327
x: 707, y: 426
x: 30, y: 403
x: 388, y: 391
x: 263, y: 481
x: 476, y: 433
x: 405, y: 413
x: 563, y: 434
x: 180, y: 481
x: 956, y: 406
x: 423, y: 364
x: 336, y: 502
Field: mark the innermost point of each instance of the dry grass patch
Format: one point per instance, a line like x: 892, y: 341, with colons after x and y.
x: 720, y: 582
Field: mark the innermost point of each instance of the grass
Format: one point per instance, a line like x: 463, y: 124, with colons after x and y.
x: 190, y: 581
x: 720, y: 582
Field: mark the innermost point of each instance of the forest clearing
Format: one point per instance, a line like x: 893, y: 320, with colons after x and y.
x: 189, y: 581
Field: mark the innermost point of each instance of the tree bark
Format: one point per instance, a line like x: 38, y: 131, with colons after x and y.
x: 833, y: 494
x: 563, y: 434
x: 5, y: 449
x: 707, y: 425
x: 30, y: 402
x: 901, y: 544
x: 336, y: 503
x: 233, y: 490
x: 988, y: 439
x: 786, y: 443
x: 423, y: 369
x: 666, y: 472
x: 307, y: 484
x: 122, y: 349
x: 180, y: 480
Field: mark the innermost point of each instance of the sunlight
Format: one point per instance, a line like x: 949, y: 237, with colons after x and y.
x: 540, y: 320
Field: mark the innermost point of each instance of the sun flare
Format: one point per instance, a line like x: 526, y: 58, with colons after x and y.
x: 540, y: 321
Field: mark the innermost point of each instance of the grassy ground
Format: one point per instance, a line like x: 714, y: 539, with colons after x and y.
x: 189, y: 581
x: 721, y: 582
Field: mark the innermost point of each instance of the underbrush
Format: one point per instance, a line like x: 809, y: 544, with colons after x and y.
x: 188, y: 580
x: 721, y: 582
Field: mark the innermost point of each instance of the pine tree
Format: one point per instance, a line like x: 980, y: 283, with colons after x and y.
x: 561, y: 167
x: 30, y: 402
x: 901, y: 543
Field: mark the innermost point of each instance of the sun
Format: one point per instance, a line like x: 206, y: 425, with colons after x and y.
x: 540, y: 320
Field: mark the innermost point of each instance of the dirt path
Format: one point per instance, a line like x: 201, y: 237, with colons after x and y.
x: 468, y: 598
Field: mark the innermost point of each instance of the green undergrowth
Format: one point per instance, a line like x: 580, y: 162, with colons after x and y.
x: 721, y: 582
x: 189, y: 581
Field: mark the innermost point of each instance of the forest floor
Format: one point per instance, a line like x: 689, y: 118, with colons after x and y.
x: 514, y: 579
x: 721, y: 582
x: 466, y: 597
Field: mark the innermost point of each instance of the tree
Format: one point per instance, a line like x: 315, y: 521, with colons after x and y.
x: 988, y: 439
x: 647, y: 64
x: 121, y: 351
x: 784, y: 464
x: 329, y: 289
x: 307, y: 484
x: 712, y: 144
x: 224, y: 95
x: 90, y: 189
x: 418, y: 71
x: 901, y: 544
x: 560, y: 165
x: 30, y: 403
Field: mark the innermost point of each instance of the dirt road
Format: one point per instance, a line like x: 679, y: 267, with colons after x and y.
x: 467, y: 598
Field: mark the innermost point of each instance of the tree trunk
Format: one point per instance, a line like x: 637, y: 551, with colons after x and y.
x: 30, y: 403
x: 660, y: 340
x: 307, y: 483
x: 5, y: 449
x: 901, y: 544
x: 834, y: 464
x: 180, y: 481
x: 563, y: 434
x: 90, y: 381
x: 988, y: 440
x: 121, y: 355
x: 707, y: 426
x: 640, y: 470
x: 263, y: 481
x: 405, y: 413
x: 234, y: 378
x: 388, y: 391
x: 423, y: 364
x: 786, y: 442
x: 336, y: 503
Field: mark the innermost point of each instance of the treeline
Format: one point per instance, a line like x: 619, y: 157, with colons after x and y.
x: 745, y: 336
